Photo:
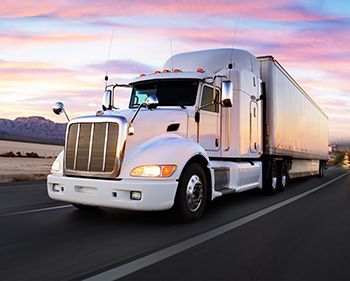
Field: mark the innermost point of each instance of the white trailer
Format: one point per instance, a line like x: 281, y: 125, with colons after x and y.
x: 209, y: 123
x: 296, y: 127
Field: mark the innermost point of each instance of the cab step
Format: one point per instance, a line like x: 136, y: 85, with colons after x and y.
x: 225, y: 190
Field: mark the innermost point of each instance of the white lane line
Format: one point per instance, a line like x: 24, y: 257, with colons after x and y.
x: 35, y: 210
x: 133, y: 266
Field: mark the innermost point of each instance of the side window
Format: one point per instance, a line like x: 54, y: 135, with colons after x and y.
x: 207, y: 98
x: 141, y: 95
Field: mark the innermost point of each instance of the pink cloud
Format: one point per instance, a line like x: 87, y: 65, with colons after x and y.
x: 271, y: 10
x: 122, y: 66
x: 21, y: 37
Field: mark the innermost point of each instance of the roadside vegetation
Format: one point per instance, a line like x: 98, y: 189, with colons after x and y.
x: 19, y: 154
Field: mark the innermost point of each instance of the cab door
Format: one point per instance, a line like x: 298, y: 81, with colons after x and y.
x: 209, y: 125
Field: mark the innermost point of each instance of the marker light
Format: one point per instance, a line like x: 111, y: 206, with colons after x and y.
x: 166, y: 70
x: 153, y: 171
x: 201, y: 70
x: 167, y: 171
x: 142, y: 74
x: 157, y: 72
x: 177, y: 70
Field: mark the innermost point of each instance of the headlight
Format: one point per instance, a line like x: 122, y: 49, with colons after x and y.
x: 153, y: 171
x: 55, y: 166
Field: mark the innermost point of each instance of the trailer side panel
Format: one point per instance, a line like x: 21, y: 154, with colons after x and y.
x: 296, y: 126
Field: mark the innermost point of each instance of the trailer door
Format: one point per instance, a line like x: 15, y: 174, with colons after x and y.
x: 209, y: 120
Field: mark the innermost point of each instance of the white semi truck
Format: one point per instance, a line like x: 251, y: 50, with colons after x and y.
x: 209, y: 123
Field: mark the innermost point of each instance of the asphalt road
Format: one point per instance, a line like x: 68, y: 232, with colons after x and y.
x: 256, y: 237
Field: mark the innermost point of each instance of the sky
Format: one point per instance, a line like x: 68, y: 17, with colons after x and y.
x: 59, y: 50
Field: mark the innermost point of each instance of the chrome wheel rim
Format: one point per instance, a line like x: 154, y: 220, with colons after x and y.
x: 274, y: 177
x: 194, y: 193
x: 274, y: 182
x: 284, y: 180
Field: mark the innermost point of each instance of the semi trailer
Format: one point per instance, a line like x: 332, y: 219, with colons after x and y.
x: 208, y: 123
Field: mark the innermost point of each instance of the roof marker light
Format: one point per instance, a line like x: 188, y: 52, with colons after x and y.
x: 177, y: 70
x: 199, y: 69
x: 142, y: 74
x: 157, y: 72
x: 166, y: 70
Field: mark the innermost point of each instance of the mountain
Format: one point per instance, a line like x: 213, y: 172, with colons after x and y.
x: 33, y: 129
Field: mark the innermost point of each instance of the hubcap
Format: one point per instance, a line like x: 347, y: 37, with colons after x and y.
x: 194, y: 193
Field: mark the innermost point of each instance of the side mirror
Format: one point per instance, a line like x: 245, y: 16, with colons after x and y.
x: 227, y: 93
x: 58, y: 108
x: 107, y: 101
x: 152, y: 102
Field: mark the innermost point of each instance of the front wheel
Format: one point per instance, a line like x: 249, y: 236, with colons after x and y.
x: 192, y: 193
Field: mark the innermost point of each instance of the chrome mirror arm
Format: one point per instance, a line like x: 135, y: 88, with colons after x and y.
x: 151, y: 103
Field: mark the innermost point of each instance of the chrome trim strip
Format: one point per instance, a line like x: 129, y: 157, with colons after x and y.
x: 76, y: 148
x: 105, y: 148
x: 228, y: 129
x: 90, y: 145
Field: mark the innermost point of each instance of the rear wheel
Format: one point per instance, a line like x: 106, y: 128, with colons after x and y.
x: 271, y: 178
x: 283, y: 177
x: 192, y: 193
x: 321, y: 169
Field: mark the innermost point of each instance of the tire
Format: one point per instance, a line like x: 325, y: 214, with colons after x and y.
x: 270, y: 185
x: 192, y: 193
x: 321, y: 169
x: 283, y: 177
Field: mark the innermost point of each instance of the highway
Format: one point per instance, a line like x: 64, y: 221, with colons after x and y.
x: 302, y: 233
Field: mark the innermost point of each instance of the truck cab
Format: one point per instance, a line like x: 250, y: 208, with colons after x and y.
x: 193, y: 131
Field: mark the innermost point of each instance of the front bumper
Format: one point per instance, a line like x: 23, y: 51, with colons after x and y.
x: 156, y: 194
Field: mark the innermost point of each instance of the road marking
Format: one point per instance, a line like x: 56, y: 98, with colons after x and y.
x: 35, y: 210
x: 133, y: 266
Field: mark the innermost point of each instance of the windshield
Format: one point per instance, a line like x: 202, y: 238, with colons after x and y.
x: 168, y: 92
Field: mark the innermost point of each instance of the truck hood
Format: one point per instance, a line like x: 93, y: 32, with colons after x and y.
x: 154, y: 124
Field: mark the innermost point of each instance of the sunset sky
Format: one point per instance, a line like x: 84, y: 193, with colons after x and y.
x: 57, y: 50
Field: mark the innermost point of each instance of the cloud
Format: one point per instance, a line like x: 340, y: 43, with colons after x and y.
x: 122, y: 66
x: 20, y: 37
x: 271, y: 10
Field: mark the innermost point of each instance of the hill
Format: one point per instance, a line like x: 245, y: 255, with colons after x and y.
x: 33, y: 129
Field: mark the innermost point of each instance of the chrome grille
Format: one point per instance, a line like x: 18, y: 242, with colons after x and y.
x: 91, y: 149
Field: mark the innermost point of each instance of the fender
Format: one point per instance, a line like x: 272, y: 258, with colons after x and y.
x: 59, y: 159
x: 165, y: 149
